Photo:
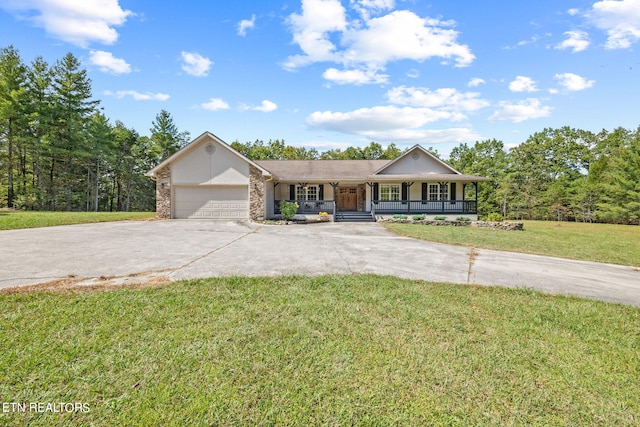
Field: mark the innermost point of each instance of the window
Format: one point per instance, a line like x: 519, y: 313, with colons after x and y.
x: 310, y: 192
x: 389, y: 192
x: 434, y: 191
x: 438, y: 192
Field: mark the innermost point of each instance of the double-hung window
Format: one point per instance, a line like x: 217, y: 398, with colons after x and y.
x: 434, y: 192
x: 438, y: 192
x: 389, y: 192
x: 310, y: 192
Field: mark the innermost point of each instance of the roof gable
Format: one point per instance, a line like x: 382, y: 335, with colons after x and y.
x: 416, y: 160
x: 198, y: 142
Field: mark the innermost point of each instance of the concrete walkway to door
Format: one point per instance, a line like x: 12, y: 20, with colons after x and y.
x: 182, y: 249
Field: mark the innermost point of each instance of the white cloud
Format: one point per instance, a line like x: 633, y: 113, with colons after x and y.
x: 356, y: 77
x: 404, y: 35
x: 576, y: 40
x: 108, y: 63
x: 619, y: 19
x: 528, y: 109
x: 376, y: 120
x: 573, y: 82
x: 523, y: 84
x: 215, y: 104
x: 366, y: 8
x: 413, y: 73
x: 475, y: 82
x: 246, y: 24
x: 448, y: 99
x: 76, y: 22
x: 195, y: 64
x: 311, y: 31
x: 573, y: 12
x: 266, y: 107
x: 324, y: 33
x: 137, y: 96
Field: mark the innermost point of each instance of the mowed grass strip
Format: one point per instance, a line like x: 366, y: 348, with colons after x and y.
x: 608, y: 243
x: 328, y: 350
x: 10, y: 220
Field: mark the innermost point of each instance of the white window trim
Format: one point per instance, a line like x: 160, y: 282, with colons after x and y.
x: 311, y: 193
x: 393, y: 192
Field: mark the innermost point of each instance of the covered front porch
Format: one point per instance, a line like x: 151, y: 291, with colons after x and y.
x: 376, y: 198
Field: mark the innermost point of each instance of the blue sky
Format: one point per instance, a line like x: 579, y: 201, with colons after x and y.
x: 334, y: 73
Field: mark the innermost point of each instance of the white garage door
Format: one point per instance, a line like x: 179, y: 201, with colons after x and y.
x: 215, y: 202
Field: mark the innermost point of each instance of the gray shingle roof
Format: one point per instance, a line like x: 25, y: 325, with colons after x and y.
x: 309, y: 170
x: 341, y: 170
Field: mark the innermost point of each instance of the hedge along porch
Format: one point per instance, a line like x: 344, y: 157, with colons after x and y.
x: 208, y: 179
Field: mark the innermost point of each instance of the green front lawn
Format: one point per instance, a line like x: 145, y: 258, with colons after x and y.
x: 331, y: 350
x: 10, y: 220
x: 615, y: 244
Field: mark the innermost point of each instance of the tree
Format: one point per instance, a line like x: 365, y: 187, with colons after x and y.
x: 73, y: 108
x: 12, y: 109
x: 165, y: 134
x: 486, y: 158
x: 619, y: 177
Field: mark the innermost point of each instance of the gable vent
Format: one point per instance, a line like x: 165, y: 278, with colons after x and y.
x: 210, y: 149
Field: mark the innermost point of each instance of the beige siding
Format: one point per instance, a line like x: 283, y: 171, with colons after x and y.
x: 199, y: 166
x: 419, y: 165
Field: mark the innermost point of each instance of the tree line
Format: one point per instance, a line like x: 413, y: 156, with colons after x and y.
x: 59, y: 152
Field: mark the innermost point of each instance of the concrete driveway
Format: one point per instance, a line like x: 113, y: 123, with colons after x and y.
x: 136, y: 251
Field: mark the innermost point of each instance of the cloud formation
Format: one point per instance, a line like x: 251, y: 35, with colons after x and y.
x: 195, y: 64
x: 76, y: 22
x: 411, y: 109
x: 619, y: 19
x: 573, y: 82
x: 215, y: 104
x: 523, y: 84
x: 266, y: 107
x: 246, y: 24
x: 447, y: 99
x: 363, y: 47
x: 517, y: 112
x: 576, y: 40
x: 107, y: 63
x: 137, y: 96
x: 354, y: 77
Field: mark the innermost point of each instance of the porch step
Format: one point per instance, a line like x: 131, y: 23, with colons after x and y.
x: 353, y: 217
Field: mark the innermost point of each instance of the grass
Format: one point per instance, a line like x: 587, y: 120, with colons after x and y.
x: 10, y: 220
x: 614, y: 244
x: 329, y: 350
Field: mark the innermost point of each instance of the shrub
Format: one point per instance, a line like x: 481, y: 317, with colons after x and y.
x: 400, y: 216
x: 463, y: 218
x: 288, y: 209
x: 440, y: 218
x: 323, y: 214
x: 419, y: 217
x: 494, y: 217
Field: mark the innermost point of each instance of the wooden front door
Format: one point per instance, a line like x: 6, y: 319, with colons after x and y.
x: 347, y: 198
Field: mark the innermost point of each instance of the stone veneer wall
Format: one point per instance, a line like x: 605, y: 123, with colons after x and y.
x: 256, y: 194
x: 163, y: 192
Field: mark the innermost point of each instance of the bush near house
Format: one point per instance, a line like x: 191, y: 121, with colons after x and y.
x: 288, y: 209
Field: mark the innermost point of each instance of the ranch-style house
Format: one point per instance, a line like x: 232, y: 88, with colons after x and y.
x: 209, y: 179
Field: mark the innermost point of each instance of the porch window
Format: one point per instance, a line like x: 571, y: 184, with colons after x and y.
x: 445, y: 192
x: 389, y: 192
x: 434, y: 192
x: 310, y: 192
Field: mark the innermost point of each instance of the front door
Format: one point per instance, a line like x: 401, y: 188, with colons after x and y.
x: 347, y: 198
